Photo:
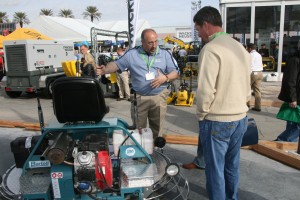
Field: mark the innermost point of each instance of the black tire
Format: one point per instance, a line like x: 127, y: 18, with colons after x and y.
x: 47, y: 92
x: 13, y: 94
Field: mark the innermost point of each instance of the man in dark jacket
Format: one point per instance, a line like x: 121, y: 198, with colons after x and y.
x: 290, y: 93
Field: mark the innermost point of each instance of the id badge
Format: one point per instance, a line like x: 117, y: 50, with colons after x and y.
x: 150, y: 76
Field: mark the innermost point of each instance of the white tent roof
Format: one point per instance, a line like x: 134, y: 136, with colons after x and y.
x: 60, y: 28
x: 122, y: 25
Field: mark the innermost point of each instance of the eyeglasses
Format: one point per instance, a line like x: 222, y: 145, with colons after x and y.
x: 151, y: 43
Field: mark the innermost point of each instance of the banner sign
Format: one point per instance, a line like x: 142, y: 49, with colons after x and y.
x: 184, y: 34
x: 133, y: 10
x: 194, y: 33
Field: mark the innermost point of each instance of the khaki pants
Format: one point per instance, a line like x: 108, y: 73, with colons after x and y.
x: 154, y: 109
x: 256, y: 79
x: 123, y: 84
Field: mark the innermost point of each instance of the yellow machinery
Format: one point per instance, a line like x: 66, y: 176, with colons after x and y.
x: 172, y: 95
x: 69, y: 67
x: 268, y: 63
x: 176, y: 40
x: 185, y: 96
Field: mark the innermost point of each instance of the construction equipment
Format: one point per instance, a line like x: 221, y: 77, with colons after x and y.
x: 176, y: 40
x: 34, y: 64
x: 268, y: 63
x: 185, y: 95
x: 84, y: 155
x: 108, y: 82
x: 194, y: 48
x: 173, y: 94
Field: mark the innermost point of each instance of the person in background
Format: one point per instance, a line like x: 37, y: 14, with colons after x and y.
x: 290, y: 93
x: 151, y: 68
x: 88, y: 65
x: 263, y: 51
x: 182, y: 53
x: 256, y: 76
x: 222, y: 93
x: 123, y: 80
x: 77, y: 55
x: 276, y: 51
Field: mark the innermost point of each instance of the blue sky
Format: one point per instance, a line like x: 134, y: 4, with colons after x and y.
x: 157, y: 12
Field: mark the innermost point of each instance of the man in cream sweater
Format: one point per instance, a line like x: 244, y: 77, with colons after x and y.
x: 222, y: 95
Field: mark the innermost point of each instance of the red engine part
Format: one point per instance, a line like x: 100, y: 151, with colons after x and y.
x: 103, y: 169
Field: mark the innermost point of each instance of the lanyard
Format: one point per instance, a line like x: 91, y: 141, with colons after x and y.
x: 149, y: 65
x: 216, y: 35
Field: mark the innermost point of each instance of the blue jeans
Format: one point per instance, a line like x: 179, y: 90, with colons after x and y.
x: 291, y: 132
x: 199, y: 159
x: 221, y: 143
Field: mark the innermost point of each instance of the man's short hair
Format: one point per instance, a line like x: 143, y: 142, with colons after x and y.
x: 251, y: 46
x: 146, y: 30
x: 208, y: 14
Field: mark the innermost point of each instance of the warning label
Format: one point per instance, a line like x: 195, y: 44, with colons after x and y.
x: 56, y: 175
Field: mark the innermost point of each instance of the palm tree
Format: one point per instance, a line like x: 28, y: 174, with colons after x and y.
x: 47, y: 12
x: 3, y: 17
x: 67, y: 13
x: 92, y: 12
x: 21, y: 18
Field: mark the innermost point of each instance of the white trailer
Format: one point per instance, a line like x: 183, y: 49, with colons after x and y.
x: 34, y: 64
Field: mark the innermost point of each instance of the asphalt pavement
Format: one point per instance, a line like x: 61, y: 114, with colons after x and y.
x: 261, y: 178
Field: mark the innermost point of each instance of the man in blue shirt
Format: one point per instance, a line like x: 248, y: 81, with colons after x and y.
x: 151, y: 69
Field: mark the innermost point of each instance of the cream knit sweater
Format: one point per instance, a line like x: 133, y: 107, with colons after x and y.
x: 223, y: 80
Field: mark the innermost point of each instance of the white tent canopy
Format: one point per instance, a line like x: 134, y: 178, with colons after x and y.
x: 60, y: 28
x: 123, y: 26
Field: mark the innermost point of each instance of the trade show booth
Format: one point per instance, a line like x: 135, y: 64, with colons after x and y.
x: 275, y: 23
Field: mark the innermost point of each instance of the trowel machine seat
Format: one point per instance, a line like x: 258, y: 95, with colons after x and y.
x: 83, y: 155
x: 78, y: 99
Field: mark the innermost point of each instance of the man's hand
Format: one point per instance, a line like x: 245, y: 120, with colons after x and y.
x: 100, y: 70
x: 293, y: 104
x: 161, y: 78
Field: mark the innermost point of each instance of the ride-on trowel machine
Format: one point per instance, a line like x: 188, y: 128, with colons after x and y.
x: 81, y: 154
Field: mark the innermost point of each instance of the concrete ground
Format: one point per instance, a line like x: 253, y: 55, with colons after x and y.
x: 261, y: 178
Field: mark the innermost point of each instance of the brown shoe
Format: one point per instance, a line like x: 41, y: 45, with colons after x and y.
x: 190, y: 166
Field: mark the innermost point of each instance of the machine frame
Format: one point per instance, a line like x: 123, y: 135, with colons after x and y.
x: 137, y: 174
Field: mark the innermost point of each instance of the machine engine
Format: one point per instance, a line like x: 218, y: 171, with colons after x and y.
x: 92, y: 164
x: 84, y: 166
